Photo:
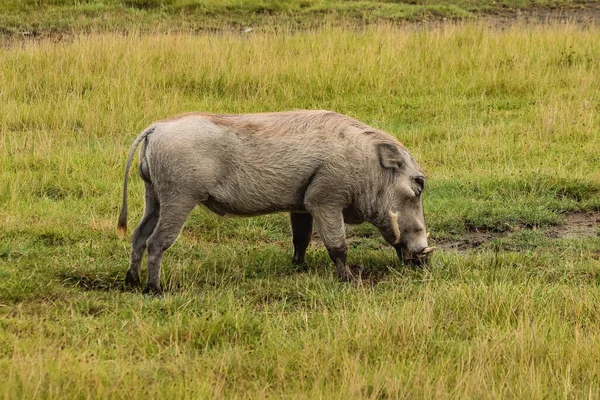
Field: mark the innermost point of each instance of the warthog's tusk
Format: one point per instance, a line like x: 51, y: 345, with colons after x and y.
x: 394, y: 223
x: 427, y: 235
x: 426, y: 251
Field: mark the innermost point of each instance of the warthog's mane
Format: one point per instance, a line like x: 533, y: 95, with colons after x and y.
x: 274, y: 124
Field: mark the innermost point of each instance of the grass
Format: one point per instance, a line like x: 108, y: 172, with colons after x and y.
x: 57, y: 17
x: 504, y: 124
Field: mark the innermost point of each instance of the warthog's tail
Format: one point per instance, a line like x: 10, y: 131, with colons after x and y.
x: 122, y: 224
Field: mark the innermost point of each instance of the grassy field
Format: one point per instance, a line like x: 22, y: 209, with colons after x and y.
x: 504, y: 123
x: 57, y: 17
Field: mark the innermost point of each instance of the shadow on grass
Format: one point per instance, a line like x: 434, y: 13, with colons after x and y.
x: 94, y: 281
x: 185, y: 272
x: 372, y: 275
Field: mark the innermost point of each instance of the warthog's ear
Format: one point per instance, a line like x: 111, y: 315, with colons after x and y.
x: 389, y: 156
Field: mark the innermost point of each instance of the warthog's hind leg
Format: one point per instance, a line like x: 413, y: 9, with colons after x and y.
x: 301, y: 233
x: 141, y: 234
x: 173, y: 213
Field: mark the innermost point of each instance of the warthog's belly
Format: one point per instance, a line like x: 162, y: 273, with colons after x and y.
x: 218, y: 208
x: 352, y: 217
x: 223, y: 208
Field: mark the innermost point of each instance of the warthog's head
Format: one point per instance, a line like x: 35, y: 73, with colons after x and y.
x: 405, y: 226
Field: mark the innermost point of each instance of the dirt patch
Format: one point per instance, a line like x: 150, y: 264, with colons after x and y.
x: 575, y: 226
x: 585, y: 14
x: 472, y: 240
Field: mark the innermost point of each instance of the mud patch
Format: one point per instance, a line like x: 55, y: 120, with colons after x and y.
x: 472, y: 240
x: 585, y: 15
x: 575, y: 226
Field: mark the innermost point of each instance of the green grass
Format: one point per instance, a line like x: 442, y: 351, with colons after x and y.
x: 504, y: 123
x: 52, y: 17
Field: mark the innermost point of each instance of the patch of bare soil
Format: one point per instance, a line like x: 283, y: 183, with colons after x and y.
x: 584, y: 14
x: 472, y: 240
x: 576, y: 225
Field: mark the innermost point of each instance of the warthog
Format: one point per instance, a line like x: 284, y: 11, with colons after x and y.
x: 318, y: 165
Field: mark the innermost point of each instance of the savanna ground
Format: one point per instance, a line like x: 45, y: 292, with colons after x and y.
x: 503, y: 121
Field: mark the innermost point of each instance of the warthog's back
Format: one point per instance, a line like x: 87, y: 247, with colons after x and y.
x: 256, y: 163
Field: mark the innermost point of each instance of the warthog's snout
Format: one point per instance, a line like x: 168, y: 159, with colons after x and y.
x: 419, y: 257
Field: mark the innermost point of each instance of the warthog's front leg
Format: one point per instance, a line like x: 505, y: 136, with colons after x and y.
x: 330, y: 224
x: 301, y: 233
x: 338, y: 256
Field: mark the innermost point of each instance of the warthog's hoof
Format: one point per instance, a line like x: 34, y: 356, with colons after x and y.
x: 345, y: 276
x: 298, y: 261
x: 153, y: 290
x: 353, y: 273
x: 299, y: 265
x: 357, y: 270
x: 132, y: 279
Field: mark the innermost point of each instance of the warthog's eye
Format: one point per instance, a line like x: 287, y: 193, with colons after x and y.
x: 419, y: 184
